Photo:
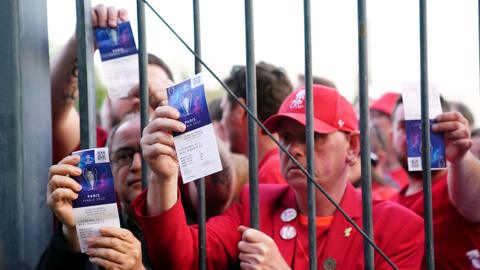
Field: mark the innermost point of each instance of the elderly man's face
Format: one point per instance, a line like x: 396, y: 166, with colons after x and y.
x: 126, y: 161
x: 331, y: 155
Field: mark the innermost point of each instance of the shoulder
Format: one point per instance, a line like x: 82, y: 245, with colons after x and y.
x: 392, y: 217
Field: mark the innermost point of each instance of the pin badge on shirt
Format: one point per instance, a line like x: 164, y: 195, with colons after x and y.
x: 347, y: 232
x: 288, y: 215
x: 288, y: 232
x: 330, y: 264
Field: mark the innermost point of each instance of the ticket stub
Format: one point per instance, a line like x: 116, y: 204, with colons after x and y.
x: 413, y: 126
x: 96, y: 205
x: 119, y: 58
x: 197, y: 149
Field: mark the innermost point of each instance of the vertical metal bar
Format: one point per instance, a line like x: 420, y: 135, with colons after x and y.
x: 25, y: 133
x: 201, y: 211
x: 309, y: 133
x: 143, y: 76
x: 252, y: 105
x: 86, y: 83
x: 427, y: 178
x: 364, y: 133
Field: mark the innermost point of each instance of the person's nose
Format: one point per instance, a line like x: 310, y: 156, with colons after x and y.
x: 136, y: 162
x: 296, y: 148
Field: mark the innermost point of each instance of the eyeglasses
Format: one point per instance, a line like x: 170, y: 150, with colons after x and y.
x: 124, y: 156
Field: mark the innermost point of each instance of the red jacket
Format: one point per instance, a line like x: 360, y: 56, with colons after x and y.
x: 269, y: 168
x: 173, y: 245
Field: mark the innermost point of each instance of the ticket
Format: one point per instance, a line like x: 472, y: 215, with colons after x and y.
x: 413, y: 126
x: 119, y: 59
x: 196, y: 147
x: 96, y: 205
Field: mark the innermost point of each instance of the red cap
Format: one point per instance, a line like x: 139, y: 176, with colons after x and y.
x: 386, y: 103
x: 331, y: 111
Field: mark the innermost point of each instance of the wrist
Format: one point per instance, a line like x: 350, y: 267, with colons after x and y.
x: 70, y: 235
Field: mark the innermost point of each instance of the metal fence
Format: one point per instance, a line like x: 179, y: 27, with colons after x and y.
x: 87, y: 120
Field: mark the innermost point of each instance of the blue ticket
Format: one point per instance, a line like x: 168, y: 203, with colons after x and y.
x: 115, y: 42
x: 119, y: 59
x: 196, y: 147
x: 413, y: 127
x: 96, y: 205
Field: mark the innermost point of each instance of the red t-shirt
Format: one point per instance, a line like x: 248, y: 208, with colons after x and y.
x: 400, y: 176
x: 453, y: 235
x: 269, y: 169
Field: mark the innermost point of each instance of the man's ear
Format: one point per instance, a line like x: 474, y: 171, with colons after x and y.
x: 238, y: 110
x: 353, y: 139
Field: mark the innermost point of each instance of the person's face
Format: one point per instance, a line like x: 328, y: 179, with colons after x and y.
x: 126, y: 161
x: 331, y: 152
x: 400, y: 136
x: 382, y: 121
x: 233, y: 119
x: 119, y: 107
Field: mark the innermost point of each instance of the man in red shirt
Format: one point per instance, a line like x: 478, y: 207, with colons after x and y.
x: 455, y: 191
x: 281, y: 242
x: 273, y: 86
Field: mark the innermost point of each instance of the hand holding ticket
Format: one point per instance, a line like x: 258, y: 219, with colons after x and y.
x: 119, y: 58
x: 95, y: 205
x: 197, y: 149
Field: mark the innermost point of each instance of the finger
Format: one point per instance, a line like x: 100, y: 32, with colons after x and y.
x: 119, y: 233
x: 158, y: 137
x: 252, y: 259
x: 123, y: 15
x: 61, y: 194
x: 60, y: 181
x: 458, y: 134
x: 134, y: 92
x: 104, y: 263
x: 94, y: 18
x: 246, y: 247
x: 101, y: 11
x: 247, y: 266
x: 112, y: 17
x: 153, y: 151
x: 166, y: 111
x: 111, y: 243
x: 464, y: 144
x: 164, y: 125
x: 251, y: 235
x: 63, y: 169
x: 448, y: 126
x: 451, y: 116
x: 72, y: 160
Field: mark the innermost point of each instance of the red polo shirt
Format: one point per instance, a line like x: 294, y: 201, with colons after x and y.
x: 453, y: 235
x: 269, y: 168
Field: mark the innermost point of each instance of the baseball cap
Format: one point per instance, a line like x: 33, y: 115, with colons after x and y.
x: 331, y: 112
x: 386, y: 103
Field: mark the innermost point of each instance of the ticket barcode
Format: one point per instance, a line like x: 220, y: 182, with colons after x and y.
x: 414, y: 164
x: 101, y: 155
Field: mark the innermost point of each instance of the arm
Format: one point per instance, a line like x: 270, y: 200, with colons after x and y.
x: 63, y: 80
x: 464, y: 168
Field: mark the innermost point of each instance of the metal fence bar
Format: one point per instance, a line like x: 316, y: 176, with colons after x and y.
x: 201, y: 211
x: 427, y: 177
x: 364, y: 133
x: 86, y: 82
x: 252, y: 105
x: 143, y: 76
x: 309, y: 133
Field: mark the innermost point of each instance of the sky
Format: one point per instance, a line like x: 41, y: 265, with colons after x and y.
x: 393, y: 40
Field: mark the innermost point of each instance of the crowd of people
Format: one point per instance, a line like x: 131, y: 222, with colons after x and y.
x: 158, y: 223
